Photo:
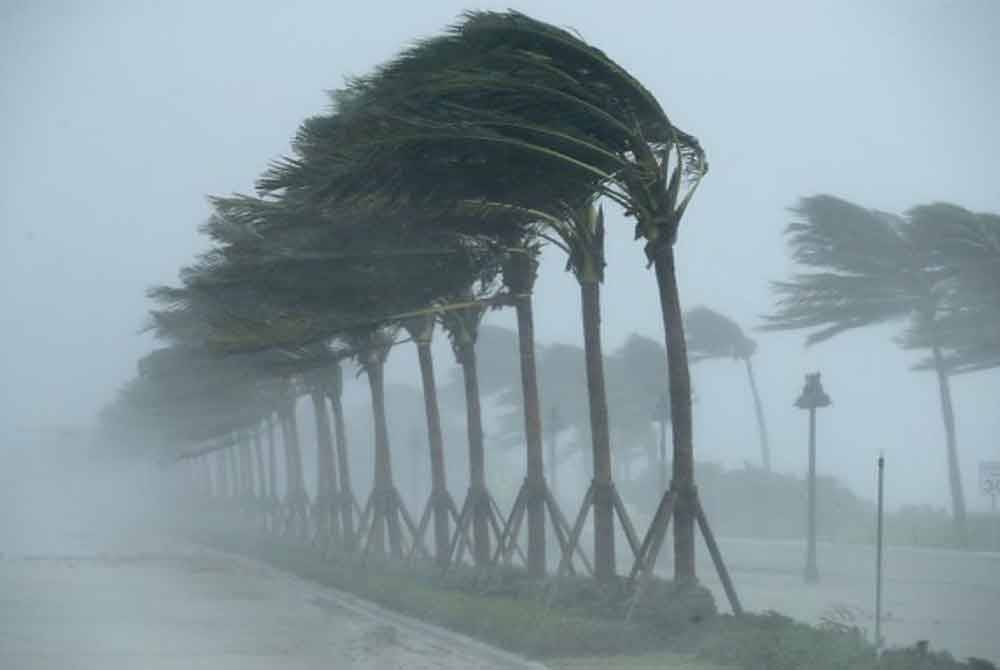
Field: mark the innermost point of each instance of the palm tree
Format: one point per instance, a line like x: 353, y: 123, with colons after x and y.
x: 712, y: 335
x: 346, y: 503
x: 440, y: 504
x: 462, y: 327
x: 968, y: 325
x: 319, y: 278
x: 519, y: 274
x: 869, y: 267
x: 505, y: 111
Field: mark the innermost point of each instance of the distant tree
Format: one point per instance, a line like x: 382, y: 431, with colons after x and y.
x: 639, y: 394
x: 870, y: 267
x: 712, y: 335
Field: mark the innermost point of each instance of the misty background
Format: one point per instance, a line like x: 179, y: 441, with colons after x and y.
x: 121, y: 116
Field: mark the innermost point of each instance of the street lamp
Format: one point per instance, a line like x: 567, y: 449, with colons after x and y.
x: 813, y: 397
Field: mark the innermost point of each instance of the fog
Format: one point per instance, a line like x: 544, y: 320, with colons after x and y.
x: 121, y: 117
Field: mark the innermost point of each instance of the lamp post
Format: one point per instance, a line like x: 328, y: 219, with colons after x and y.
x: 813, y: 397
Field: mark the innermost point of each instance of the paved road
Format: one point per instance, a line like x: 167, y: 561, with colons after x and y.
x: 86, y: 584
x: 947, y: 597
x: 161, y: 607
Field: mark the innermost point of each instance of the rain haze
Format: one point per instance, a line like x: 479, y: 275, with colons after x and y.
x: 122, y: 117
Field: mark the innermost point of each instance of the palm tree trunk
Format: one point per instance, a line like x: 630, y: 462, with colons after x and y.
x: 232, y: 473
x: 343, y: 471
x: 246, y: 467
x: 295, y: 489
x: 680, y: 408
x: 219, y: 467
x: 326, y: 477
x: 383, y: 484
x: 525, y: 267
x: 604, y: 530
x: 259, y: 490
x: 477, y: 455
x: 553, y: 464
x: 960, y: 520
x: 272, y: 470
x: 435, y: 442
x: 765, y: 447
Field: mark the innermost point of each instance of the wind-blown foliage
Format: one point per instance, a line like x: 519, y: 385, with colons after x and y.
x: 506, y: 113
x: 869, y: 267
x: 967, y: 244
x: 864, y: 270
x: 712, y: 335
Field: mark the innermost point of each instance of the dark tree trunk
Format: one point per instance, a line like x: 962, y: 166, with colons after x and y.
x: 232, y: 473
x: 272, y: 471
x: 680, y: 409
x: 520, y: 273
x: 295, y: 487
x: 960, y: 520
x: 604, y: 530
x: 477, y: 455
x: 535, y: 472
x: 343, y: 471
x: 662, y: 456
x: 238, y: 474
x: 246, y: 467
x: 326, y: 476
x: 383, y: 484
x: 219, y: 463
x: 435, y: 442
x: 765, y: 447
x: 259, y: 490
x: 553, y: 463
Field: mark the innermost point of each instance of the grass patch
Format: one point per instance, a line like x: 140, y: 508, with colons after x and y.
x: 581, y: 625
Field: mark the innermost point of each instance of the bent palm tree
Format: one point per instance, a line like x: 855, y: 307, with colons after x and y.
x: 968, y: 244
x: 869, y: 267
x: 712, y: 335
x: 511, y: 112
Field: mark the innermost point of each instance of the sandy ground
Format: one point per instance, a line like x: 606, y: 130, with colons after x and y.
x: 164, y: 607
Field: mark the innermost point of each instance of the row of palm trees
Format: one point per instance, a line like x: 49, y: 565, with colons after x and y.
x: 421, y: 199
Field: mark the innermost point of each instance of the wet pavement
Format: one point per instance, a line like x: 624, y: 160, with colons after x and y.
x: 950, y: 598
x: 88, y: 583
x: 163, y: 606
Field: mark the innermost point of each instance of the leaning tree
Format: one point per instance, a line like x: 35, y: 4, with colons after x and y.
x: 352, y: 276
x: 968, y: 326
x: 868, y: 267
x: 713, y: 335
x: 505, y: 111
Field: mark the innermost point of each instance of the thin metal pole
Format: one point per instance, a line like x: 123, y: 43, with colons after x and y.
x: 812, y: 571
x: 996, y: 524
x: 878, y: 555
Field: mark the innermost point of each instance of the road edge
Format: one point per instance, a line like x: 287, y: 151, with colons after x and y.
x: 367, y: 608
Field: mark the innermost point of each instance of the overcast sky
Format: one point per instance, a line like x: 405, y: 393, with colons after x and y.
x: 119, y: 117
